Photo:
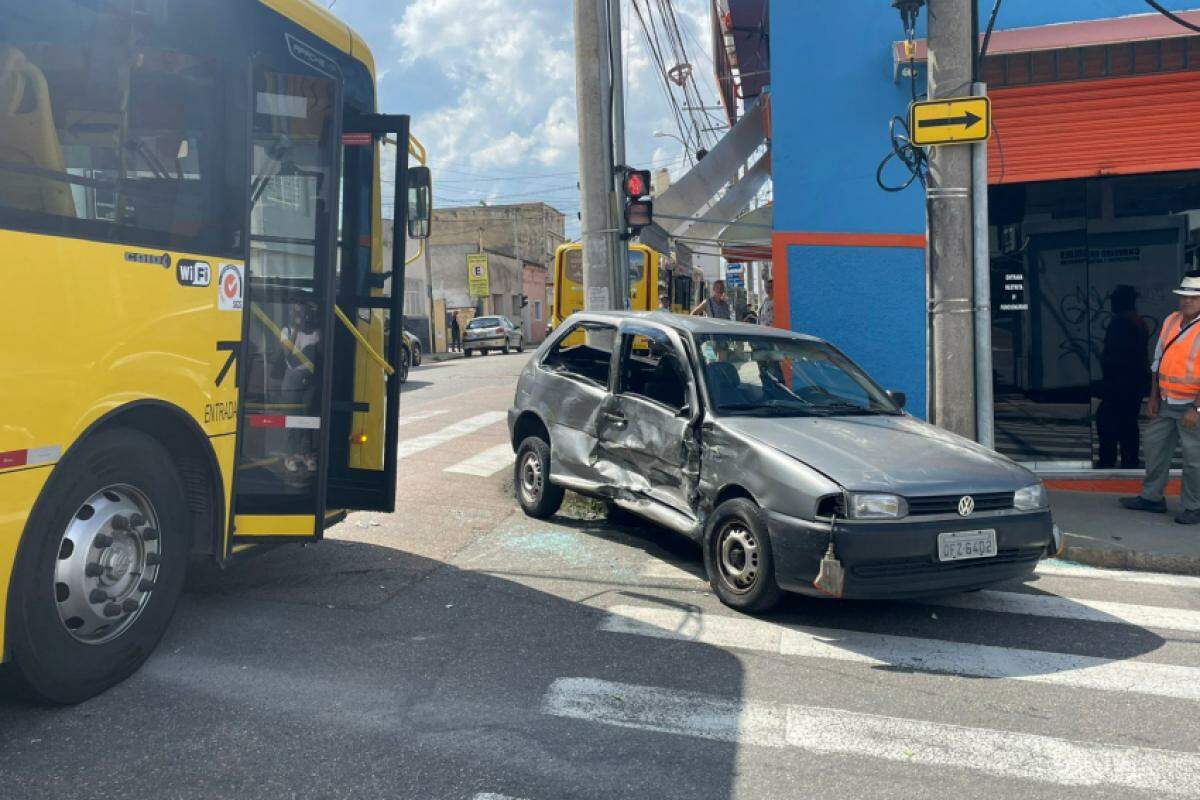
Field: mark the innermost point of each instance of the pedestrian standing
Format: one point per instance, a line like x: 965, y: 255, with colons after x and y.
x: 766, y: 312
x: 717, y: 305
x: 1174, y: 408
x: 455, y: 334
x: 1125, y: 381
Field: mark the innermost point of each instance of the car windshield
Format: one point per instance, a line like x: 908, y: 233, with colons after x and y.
x: 485, y: 322
x: 778, y: 376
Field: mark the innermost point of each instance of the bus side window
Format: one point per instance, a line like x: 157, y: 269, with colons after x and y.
x: 111, y: 126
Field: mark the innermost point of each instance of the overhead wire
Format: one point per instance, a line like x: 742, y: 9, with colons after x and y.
x: 1178, y: 20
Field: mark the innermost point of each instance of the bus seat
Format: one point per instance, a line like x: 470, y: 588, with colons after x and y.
x: 28, y: 138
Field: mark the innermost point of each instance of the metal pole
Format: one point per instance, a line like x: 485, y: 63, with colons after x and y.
x: 619, y: 245
x: 595, y: 167
x: 984, y: 401
x: 950, y: 259
x: 429, y: 296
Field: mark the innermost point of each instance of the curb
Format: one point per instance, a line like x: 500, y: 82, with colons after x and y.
x: 1107, y: 558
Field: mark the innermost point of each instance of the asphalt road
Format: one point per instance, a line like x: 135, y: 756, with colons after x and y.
x: 457, y: 649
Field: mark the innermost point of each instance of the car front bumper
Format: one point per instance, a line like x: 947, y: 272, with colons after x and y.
x: 899, y: 559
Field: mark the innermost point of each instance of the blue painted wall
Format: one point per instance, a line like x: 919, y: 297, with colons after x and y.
x: 832, y: 95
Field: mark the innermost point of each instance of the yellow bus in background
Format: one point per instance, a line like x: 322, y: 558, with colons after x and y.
x: 201, y: 336
x: 654, y: 282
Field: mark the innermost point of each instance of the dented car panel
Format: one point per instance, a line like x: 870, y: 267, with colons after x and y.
x: 674, y: 456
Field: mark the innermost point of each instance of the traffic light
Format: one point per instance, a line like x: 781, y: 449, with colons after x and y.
x: 639, y: 208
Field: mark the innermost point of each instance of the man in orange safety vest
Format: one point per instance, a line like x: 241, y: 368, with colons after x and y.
x: 1174, y: 408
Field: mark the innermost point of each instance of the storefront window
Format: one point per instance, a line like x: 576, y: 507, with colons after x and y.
x: 1082, y: 279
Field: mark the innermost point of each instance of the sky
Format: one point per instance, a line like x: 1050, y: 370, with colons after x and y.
x: 490, y: 85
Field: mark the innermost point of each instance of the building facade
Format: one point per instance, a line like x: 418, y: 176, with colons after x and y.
x: 527, y: 231
x: 1094, y: 201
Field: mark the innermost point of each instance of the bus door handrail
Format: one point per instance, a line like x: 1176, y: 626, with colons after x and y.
x: 378, y: 359
x: 278, y: 332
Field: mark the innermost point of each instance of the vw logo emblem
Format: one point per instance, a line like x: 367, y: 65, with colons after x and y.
x: 966, y: 505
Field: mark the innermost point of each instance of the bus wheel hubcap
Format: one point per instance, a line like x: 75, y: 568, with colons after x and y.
x: 108, y: 561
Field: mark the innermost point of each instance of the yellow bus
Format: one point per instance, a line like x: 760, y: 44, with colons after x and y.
x: 652, y: 279
x: 200, y: 333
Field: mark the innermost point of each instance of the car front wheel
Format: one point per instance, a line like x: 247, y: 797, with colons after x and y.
x: 531, y: 477
x: 738, y: 559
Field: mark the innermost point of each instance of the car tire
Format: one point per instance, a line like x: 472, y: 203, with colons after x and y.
x: 87, y: 520
x: 538, y: 497
x: 738, y: 558
x: 521, y: 345
x: 467, y: 353
x: 417, y: 355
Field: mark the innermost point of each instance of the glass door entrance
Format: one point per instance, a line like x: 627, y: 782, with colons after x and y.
x: 1082, y: 275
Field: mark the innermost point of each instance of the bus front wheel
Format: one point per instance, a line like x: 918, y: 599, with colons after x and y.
x: 100, y: 568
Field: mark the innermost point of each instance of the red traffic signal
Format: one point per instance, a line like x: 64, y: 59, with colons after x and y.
x: 639, y: 208
x: 637, y: 184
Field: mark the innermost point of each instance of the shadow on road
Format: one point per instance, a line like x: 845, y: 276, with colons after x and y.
x: 356, y: 669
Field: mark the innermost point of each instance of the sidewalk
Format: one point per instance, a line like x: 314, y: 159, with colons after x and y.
x: 1098, y: 532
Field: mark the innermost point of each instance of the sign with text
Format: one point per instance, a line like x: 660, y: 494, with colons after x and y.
x: 959, y: 121
x: 477, y: 274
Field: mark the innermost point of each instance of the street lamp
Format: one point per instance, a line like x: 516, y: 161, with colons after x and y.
x: 664, y: 135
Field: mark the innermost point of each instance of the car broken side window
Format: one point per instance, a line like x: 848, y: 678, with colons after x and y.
x: 651, y: 368
x: 584, y: 352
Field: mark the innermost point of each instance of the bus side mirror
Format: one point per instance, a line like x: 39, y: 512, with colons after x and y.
x: 420, y: 202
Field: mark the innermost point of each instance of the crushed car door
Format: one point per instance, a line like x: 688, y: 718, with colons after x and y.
x: 574, y: 391
x: 645, y: 429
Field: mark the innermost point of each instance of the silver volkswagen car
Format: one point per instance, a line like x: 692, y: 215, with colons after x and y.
x: 788, y: 465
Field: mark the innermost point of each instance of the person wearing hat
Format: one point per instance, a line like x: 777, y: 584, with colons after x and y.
x: 1175, y: 408
x: 1125, y: 380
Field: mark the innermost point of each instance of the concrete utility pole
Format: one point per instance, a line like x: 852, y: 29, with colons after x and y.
x: 950, y: 254
x: 619, y: 246
x: 595, y: 164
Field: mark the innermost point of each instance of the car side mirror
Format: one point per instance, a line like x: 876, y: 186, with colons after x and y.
x: 420, y: 202
x: 899, y: 398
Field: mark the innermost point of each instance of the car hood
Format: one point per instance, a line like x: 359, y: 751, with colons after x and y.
x: 886, y: 453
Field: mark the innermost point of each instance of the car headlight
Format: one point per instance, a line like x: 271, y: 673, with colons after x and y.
x: 1031, y: 498
x: 877, y: 506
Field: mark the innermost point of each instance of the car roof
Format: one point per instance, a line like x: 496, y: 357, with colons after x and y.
x: 697, y: 326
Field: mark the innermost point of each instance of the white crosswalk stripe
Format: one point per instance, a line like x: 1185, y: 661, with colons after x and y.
x: 418, y: 416
x: 487, y: 463
x: 928, y: 655
x: 1069, y: 569
x: 825, y: 730
x: 1176, y: 619
x: 420, y: 444
x: 1036, y: 605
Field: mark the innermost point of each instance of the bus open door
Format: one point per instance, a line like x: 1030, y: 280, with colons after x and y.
x: 323, y: 332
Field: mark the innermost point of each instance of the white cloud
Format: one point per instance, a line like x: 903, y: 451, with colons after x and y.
x: 498, y: 81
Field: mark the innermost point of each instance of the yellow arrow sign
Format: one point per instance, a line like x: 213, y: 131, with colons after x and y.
x: 959, y: 121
